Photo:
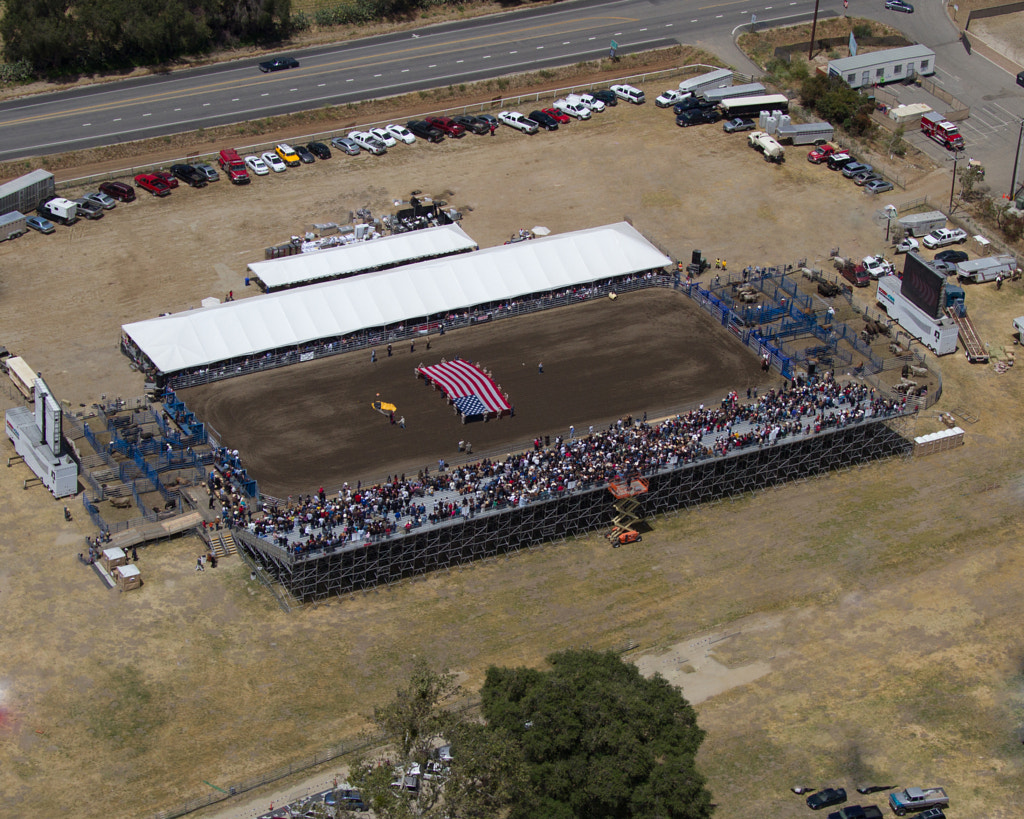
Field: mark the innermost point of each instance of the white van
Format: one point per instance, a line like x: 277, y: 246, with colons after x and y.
x: 629, y: 94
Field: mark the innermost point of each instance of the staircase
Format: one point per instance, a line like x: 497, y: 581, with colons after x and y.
x: 223, y: 544
x: 973, y: 348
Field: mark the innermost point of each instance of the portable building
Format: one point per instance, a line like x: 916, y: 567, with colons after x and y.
x: 749, y: 89
x: 921, y: 224
x: 880, y: 67
x: 26, y: 192
x: 12, y: 225
x: 719, y: 78
x: 753, y: 106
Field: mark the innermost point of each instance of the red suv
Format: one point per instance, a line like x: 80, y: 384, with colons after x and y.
x: 168, y: 178
x: 449, y: 126
x: 118, y: 190
x: 152, y: 183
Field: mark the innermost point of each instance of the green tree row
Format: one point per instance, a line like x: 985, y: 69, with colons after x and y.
x: 836, y: 102
x: 62, y: 37
x: 588, y: 738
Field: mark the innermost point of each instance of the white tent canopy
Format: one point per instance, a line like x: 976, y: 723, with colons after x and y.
x: 358, y: 257
x: 239, y: 329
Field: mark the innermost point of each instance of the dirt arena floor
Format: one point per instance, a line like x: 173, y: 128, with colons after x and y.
x: 650, y: 351
x: 860, y: 627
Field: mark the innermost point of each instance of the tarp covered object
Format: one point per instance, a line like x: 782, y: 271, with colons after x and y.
x: 289, y: 319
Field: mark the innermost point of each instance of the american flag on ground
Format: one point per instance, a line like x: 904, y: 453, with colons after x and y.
x: 460, y: 379
x: 470, y: 405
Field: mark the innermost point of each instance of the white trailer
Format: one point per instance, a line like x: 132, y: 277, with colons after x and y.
x: 878, y: 67
x: 12, y: 225
x: 817, y: 133
x: 921, y: 224
x: 749, y: 89
x: 1018, y: 328
x: 987, y: 269
x: 719, y: 78
x: 27, y: 191
x: 937, y: 334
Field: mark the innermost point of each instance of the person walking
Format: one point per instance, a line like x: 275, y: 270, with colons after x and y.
x: 401, y: 422
x: 540, y: 367
x: 373, y: 356
x: 199, y: 564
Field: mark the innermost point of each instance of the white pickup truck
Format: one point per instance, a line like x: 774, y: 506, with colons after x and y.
x: 513, y: 119
x: 573, y: 109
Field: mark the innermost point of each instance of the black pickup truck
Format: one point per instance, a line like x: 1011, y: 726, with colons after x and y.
x: 857, y: 812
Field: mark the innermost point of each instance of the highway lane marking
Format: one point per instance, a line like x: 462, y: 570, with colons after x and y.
x: 576, y: 24
x: 321, y: 85
x: 117, y: 119
x: 86, y: 124
x: 405, y: 71
x: 236, y: 99
x: 567, y: 42
x: 206, y: 105
x: 265, y: 94
x: 147, y: 115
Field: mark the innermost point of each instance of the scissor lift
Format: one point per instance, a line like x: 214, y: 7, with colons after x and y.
x: 627, y: 510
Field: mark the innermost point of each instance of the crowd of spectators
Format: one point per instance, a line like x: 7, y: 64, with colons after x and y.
x: 627, y: 448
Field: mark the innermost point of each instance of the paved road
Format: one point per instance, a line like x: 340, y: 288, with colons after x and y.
x: 488, y: 47
x: 363, y: 69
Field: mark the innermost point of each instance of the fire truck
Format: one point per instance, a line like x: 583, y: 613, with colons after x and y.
x: 942, y: 131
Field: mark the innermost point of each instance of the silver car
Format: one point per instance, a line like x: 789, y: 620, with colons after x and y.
x: 345, y: 144
x: 101, y: 199
x: 208, y: 171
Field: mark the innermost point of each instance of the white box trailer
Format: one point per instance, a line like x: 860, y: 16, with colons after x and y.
x: 719, y: 78
x: 921, y: 224
x: 753, y: 106
x: 27, y: 191
x: 1018, y: 328
x: 879, y: 67
x: 12, y: 225
x: 716, y: 95
x: 987, y: 269
x: 807, y: 133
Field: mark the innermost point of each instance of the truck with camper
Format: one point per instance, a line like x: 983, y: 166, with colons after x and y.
x: 921, y: 224
x: 231, y: 163
x: 807, y: 133
x: 946, y: 133
x: 917, y: 799
x: 987, y: 269
x: 58, y: 209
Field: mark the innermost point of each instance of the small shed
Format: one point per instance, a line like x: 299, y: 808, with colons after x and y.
x: 128, y: 577
x: 112, y: 558
x: 910, y: 113
x: 880, y: 67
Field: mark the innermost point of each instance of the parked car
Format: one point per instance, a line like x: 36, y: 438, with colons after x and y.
x: 691, y: 103
x: 189, y: 175
x: 256, y: 165
x: 573, y: 109
x: 560, y: 117
x: 851, y: 169
x: 932, y: 813
x: 945, y: 268
x: 513, y: 119
x: 738, y: 124
x: 273, y: 161
x: 954, y: 256
x: 907, y: 244
x: 545, y: 121
x: 491, y: 120
x: 473, y: 124
x: 89, y: 209
x: 878, y: 266
x: 856, y: 275
x: 836, y: 162
x: 899, y: 5
x: 826, y: 798
x: 670, y: 98
x: 208, y: 171
x: 40, y: 224
x: 943, y: 237
x: 821, y: 153
x: 1020, y: 79
x: 347, y: 145
x: 305, y: 156
x: 107, y: 203
x: 424, y: 130
x: 154, y: 184
x: 698, y: 116
x: 629, y: 93
x: 592, y: 102
x: 865, y: 177
x: 319, y: 150
x: 606, y: 95
x: 447, y: 125
x: 287, y: 155
x: 878, y: 186
x: 401, y: 133
x: 368, y: 142
x: 279, y: 64
x: 168, y: 178
x: 856, y: 812
x: 118, y: 190
x: 385, y: 136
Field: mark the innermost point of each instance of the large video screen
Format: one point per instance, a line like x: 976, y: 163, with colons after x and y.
x: 922, y: 286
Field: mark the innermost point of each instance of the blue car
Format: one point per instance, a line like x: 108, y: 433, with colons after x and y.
x: 40, y: 224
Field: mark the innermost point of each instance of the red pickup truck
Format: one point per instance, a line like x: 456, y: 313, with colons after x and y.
x: 231, y: 163
x: 821, y: 153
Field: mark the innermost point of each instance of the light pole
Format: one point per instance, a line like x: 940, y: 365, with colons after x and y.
x: 1016, y: 159
x: 814, y: 28
x: 957, y: 156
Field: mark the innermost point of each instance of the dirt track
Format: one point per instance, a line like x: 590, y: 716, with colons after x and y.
x: 652, y: 350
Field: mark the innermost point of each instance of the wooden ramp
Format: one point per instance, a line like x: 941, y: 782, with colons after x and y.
x: 156, y: 530
x: 973, y: 348
x: 223, y: 544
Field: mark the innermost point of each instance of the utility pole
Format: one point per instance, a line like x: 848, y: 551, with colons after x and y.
x: 814, y: 28
x: 1016, y: 160
x: 957, y: 156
